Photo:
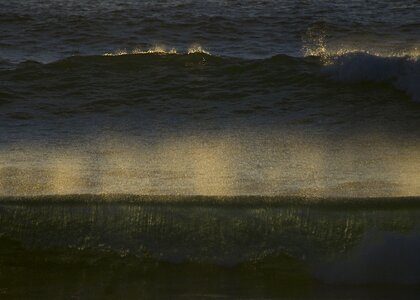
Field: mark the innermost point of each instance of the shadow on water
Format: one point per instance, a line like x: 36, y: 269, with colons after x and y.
x: 89, y: 247
x: 74, y: 274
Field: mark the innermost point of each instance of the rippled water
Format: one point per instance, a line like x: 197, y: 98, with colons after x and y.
x: 281, y: 84
x: 51, y: 30
x: 223, y: 149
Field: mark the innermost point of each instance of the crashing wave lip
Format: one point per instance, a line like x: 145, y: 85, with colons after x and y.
x: 315, y: 44
x: 159, y: 50
x: 154, y: 50
x: 197, y: 49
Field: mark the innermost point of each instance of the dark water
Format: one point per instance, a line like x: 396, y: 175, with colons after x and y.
x: 50, y: 30
x: 96, y: 247
x: 310, y: 108
x: 56, y: 83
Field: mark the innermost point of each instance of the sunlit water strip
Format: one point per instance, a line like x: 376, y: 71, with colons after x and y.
x: 265, y: 164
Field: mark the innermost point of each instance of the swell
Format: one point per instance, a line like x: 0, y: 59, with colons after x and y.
x: 164, y: 90
x: 156, y: 81
x: 402, y: 73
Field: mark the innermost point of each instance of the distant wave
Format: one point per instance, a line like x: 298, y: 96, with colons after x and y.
x: 162, y: 50
x: 402, y: 73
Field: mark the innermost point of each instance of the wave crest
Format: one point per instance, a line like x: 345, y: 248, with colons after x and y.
x: 158, y: 49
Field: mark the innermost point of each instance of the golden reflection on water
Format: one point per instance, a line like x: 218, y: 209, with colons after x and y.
x: 266, y: 164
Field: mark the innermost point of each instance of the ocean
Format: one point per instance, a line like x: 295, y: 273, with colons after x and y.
x: 209, y: 149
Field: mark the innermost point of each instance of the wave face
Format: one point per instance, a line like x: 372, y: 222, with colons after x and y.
x: 402, y: 72
x: 281, y: 90
x: 311, y: 242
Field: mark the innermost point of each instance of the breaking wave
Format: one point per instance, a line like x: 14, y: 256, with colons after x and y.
x: 353, y: 241
x: 402, y: 72
x: 400, y: 68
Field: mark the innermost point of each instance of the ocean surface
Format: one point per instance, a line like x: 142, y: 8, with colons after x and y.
x: 209, y: 149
